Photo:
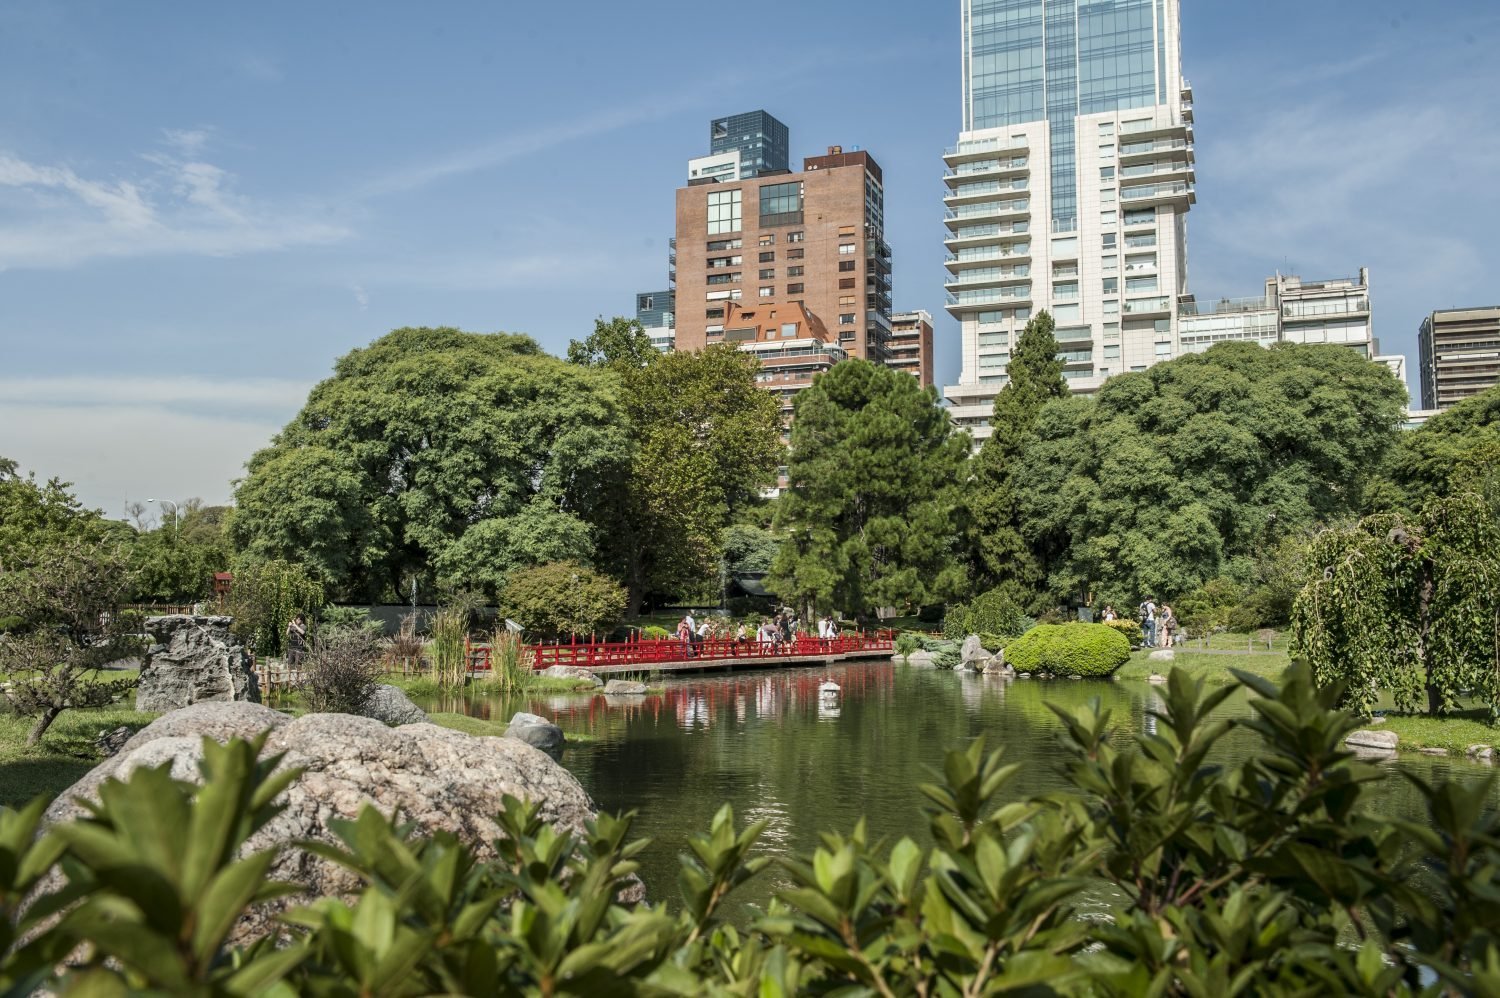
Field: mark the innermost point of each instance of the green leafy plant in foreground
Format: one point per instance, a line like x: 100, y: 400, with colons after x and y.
x: 1159, y: 873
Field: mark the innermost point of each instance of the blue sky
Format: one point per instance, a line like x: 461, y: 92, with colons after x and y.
x: 202, y: 205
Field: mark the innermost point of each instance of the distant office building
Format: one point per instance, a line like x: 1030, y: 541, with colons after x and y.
x: 786, y: 246
x: 910, y: 345
x: 657, y: 312
x: 1068, y: 189
x: 1460, y: 354
x: 743, y: 146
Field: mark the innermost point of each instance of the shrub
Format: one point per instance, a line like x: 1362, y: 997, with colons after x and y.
x: 906, y: 643
x: 1244, y: 619
x: 340, y: 673
x: 653, y: 633
x: 511, y: 662
x: 264, y: 597
x: 11, y: 623
x: 561, y: 599
x: 989, y: 613
x: 1089, y: 650
x: 1129, y: 628
x: 348, y: 618
x: 948, y: 658
x: 994, y: 642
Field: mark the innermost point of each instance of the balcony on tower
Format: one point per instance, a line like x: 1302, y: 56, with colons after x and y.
x: 1172, y: 192
x: 974, y: 150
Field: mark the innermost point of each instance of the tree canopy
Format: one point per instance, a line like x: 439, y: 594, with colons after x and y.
x: 1179, y: 474
x: 37, y: 516
x: 1454, y: 450
x: 420, y: 437
x: 871, y: 516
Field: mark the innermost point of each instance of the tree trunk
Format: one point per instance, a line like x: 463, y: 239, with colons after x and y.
x: 42, y: 724
x: 1424, y: 630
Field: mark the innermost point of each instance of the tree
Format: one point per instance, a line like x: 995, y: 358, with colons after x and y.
x: 70, y: 595
x: 707, y: 442
x: 871, y: 516
x: 1001, y: 556
x: 562, y: 599
x: 263, y: 599
x: 1455, y: 450
x: 484, y: 557
x: 618, y: 342
x: 177, y: 562
x: 35, y: 518
x: 421, y: 436
x: 1409, y: 605
x: 1183, y: 473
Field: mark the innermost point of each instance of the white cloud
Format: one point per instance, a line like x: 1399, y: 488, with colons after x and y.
x: 185, y: 141
x: 361, y: 298
x: 58, y: 218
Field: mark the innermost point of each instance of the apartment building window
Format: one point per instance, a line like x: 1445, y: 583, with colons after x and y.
x: 768, y: 240
x: 1111, y: 285
x: 794, y: 289
x: 994, y: 339
x: 1110, y: 265
x: 723, y: 278
x: 795, y: 254
x: 768, y: 257
x: 846, y: 265
x: 1108, y: 217
x: 714, y: 330
x: 794, y: 271
x: 724, y: 212
x: 847, y: 249
x: 788, y: 330
x: 846, y: 301
x: 847, y: 319
x: 795, y: 237
x: 768, y: 292
x: 1163, y: 351
x: 1106, y: 173
x: 1106, y: 129
x: 1141, y: 216
x: 1109, y: 240
x: 846, y: 282
x: 1107, y: 153
x: 719, y: 245
x: 1111, y: 351
x: 1065, y: 289
x: 1111, y: 330
x: 713, y: 313
x: 781, y: 204
x: 1111, y: 307
x: 1134, y: 284
x: 768, y: 274
x: 721, y: 262
x: 1107, y: 196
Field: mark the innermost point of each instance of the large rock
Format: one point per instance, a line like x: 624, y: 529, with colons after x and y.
x: 972, y: 655
x: 538, y: 732
x: 1161, y: 655
x: 571, y: 672
x: 391, y: 705
x: 626, y: 686
x: 194, y: 659
x: 1385, y: 741
x: 441, y: 780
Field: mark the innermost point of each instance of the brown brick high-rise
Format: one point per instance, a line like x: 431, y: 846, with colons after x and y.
x: 814, y: 239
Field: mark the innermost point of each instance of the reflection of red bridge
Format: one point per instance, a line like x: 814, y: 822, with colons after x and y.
x: 671, y: 655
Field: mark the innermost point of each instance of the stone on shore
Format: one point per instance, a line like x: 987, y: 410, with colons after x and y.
x: 571, y: 672
x: 1162, y: 655
x: 1385, y: 741
x: 438, y: 779
x: 972, y: 655
x: 390, y: 705
x: 624, y: 686
x: 538, y: 732
x: 194, y: 659
x: 1484, y: 753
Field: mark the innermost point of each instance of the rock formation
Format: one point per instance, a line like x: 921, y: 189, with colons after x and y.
x: 193, y: 660
x: 391, y: 705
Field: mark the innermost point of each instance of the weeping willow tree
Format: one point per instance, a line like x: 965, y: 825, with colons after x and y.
x: 1408, y: 605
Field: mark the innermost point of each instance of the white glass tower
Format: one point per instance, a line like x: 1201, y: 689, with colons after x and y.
x: 1068, y: 189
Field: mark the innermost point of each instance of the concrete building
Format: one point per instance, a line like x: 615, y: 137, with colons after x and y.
x: 1460, y: 354
x: 1068, y: 188
x: 910, y: 345
x: 791, y: 343
x: 788, y: 243
x: 657, y: 312
x: 1291, y: 310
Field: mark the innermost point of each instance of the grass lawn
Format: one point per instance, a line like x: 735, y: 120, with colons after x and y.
x: 1214, y: 668
x: 66, y: 751
x: 424, y: 686
x: 1455, y: 732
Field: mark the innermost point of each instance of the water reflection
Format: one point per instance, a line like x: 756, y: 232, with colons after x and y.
x: 769, y: 744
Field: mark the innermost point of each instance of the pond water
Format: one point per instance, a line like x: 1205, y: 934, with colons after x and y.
x: 768, y: 744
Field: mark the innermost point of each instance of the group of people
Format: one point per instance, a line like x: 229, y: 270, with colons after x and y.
x: 1159, y: 627
x: 776, y: 633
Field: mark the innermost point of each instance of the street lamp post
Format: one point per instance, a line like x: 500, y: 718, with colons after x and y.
x: 168, y: 502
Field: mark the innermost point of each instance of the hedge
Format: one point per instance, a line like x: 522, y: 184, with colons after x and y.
x: 1089, y: 650
x: 1129, y: 628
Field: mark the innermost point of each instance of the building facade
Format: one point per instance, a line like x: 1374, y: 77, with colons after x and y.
x: 788, y: 243
x: 1460, y: 355
x: 910, y: 346
x: 656, y: 311
x: 1068, y: 189
x: 742, y: 146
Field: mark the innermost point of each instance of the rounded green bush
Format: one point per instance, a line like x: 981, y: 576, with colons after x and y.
x: 1088, y: 650
x: 651, y: 631
x: 1129, y: 628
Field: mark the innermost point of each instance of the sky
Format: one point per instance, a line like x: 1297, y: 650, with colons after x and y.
x: 202, y: 206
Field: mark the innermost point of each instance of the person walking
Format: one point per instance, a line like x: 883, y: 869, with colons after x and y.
x: 1166, y: 623
x: 296, y: 640
x: 705, y: 631
x: 1148, y: 622
x: 786, y: 632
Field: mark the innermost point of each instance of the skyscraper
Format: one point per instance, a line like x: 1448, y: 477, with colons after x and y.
x: 1459, y: 351
x: 743, y: 146
x: 1068, y: 189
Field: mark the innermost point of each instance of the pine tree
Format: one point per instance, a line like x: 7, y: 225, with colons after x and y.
x: 1001, y: 557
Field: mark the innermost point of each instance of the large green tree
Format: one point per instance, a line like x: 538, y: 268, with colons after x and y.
x: 176, y: 561
x: 707, y: 441
x: 420, y: 437
x: 35, y: 517
x: 1185, y: 472
x: 617, y: 342
x: 1001, y: 557
x: 1455, y: 450
x: 872, y: 513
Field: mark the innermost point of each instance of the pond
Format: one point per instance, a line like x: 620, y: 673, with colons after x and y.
x: 768, y: 744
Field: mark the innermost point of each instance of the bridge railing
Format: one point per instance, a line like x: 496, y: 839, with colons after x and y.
x: 659, y: 651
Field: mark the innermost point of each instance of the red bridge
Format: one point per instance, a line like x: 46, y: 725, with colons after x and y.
x: 672, y: 655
